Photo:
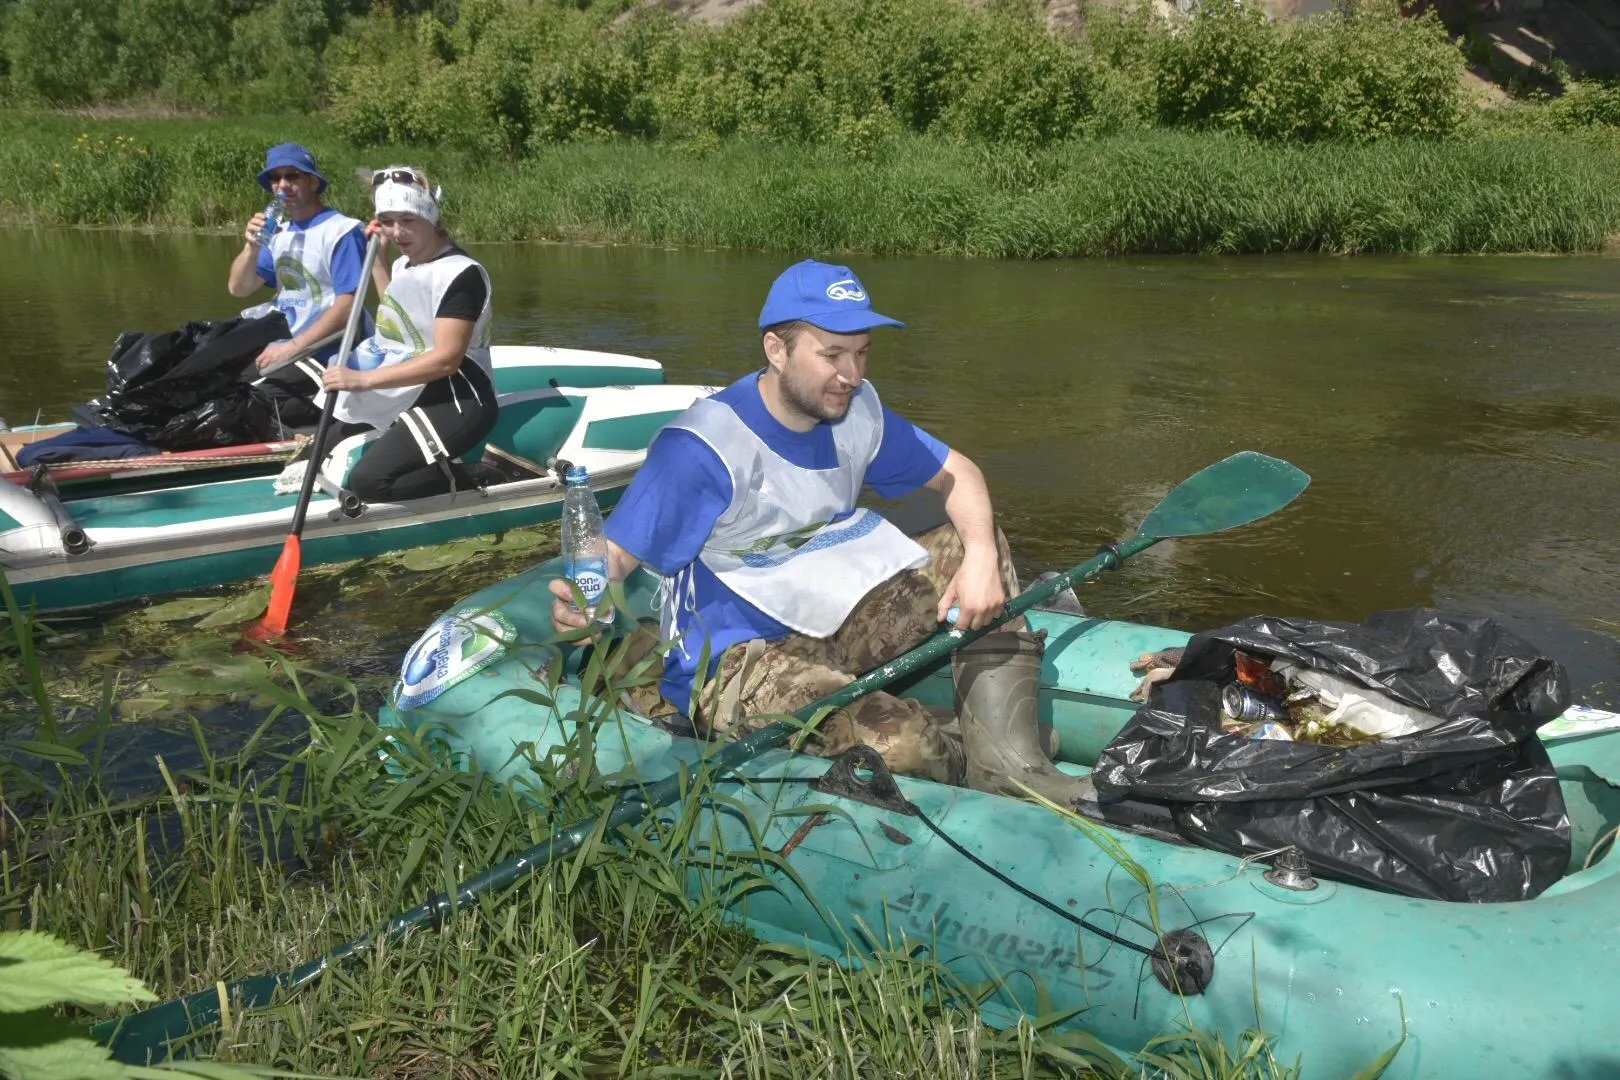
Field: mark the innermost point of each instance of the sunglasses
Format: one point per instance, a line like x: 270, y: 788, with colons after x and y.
x: 398, y: 176
x: 288, y: 175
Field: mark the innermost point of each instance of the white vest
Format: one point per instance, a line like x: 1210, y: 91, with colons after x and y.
x: 777, y: 545
x: 303, y: 266
x: 405, y: 329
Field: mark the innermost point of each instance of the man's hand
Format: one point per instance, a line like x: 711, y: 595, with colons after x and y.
x: 977, y: 590
x: 564, y: 617
x: 255, y: 226
x: 275, y: 354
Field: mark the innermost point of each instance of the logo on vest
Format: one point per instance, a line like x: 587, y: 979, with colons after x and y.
x: 454, y: 648
x: 298, y: 284
x: 396, y: 326
x: 847, y: 289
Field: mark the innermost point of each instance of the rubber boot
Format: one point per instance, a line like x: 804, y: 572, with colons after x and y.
x: 997, y: 687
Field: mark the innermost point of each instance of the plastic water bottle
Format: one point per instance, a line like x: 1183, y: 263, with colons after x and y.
x: 274, y: 215
x: 584, y: 545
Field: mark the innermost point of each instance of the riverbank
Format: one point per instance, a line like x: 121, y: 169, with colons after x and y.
x: 600, y: 965
x: 875, y: 192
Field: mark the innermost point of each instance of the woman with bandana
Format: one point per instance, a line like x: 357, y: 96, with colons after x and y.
x: 423, y: 378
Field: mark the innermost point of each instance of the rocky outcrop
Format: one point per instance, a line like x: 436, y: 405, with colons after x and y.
x: 1528, y: 41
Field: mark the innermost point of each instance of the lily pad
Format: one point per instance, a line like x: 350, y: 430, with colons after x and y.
x: 238, y: 609
x: 189, y: 607
x: 443, y: 556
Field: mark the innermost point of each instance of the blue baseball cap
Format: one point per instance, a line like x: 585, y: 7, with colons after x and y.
x: 290, y: 155
x: 823, y: 295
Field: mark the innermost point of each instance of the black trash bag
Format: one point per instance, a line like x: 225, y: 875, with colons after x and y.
x: 187, y: 389
x: 1466, y: 810
x: 229, y: 420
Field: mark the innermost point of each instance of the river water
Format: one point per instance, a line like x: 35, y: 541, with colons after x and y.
x: 1460, y: 417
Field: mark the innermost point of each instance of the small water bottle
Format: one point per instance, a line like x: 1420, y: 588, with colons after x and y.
x: 274, y: 215
x: 584, y: 544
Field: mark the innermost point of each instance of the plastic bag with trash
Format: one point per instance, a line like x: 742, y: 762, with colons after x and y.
x: 1438, y: 789
x: 189, y: 389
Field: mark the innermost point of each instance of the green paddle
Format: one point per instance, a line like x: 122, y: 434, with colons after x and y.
x: 1243, y: 488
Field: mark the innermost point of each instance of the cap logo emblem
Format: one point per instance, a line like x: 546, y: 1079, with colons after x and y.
x: 846, y: 289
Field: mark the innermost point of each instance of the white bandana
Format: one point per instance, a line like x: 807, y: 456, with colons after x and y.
x: 393, y: 197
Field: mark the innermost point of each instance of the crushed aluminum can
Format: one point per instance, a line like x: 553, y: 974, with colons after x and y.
x: 1269, y: 730
x: 1241, y: 703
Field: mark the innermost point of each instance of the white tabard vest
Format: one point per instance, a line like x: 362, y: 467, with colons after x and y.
x: 777, y: 545
x: 303, y: 262
x: 405, y: 329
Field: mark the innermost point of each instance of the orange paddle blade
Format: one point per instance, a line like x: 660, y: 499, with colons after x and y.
x: 283, y: 583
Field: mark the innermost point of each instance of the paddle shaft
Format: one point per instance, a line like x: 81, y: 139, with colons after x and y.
x: 321, y: 429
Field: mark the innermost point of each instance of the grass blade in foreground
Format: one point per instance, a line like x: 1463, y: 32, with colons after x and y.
x: 1242, y: 488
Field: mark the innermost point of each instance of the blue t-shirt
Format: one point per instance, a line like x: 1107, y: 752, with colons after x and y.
x: 348, y: 257
x: 670, y: 508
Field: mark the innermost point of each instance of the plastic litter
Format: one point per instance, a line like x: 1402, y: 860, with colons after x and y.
x: 184, y: 389
x: 1467, y: 807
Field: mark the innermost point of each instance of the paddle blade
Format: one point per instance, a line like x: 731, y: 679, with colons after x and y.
x: 283, y: 583
x: 1242, y: 488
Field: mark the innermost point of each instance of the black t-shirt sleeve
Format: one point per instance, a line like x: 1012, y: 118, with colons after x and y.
x: 465, y: 297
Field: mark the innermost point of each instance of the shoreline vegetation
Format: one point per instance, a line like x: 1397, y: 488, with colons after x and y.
x: 1160, y: 192
x: 297, y: 839
x: 827, y: 126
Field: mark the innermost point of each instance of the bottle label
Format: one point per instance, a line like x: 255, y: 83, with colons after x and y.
x: 591, y: 577
x: 592, y: 583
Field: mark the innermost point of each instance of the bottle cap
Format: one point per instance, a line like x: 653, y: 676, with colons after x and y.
x: 575, y: 475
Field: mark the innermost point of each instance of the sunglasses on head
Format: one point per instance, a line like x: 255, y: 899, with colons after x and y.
x: 398, y: 176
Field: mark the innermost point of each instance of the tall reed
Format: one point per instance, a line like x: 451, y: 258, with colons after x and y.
x: 1151, y: 192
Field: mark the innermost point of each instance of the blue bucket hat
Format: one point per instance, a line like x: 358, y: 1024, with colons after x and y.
x: 823, y: 295
x: 290, y: 155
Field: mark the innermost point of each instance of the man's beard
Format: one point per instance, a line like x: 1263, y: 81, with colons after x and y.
x: 809, y: 404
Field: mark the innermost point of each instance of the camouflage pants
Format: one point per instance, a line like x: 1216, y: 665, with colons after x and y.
x: 782, y: 676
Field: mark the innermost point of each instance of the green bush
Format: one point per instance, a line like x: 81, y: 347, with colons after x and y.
x: 1588, y: 103
x: 62, y: 52
x: 508, y: 77
x: 1364, y: 71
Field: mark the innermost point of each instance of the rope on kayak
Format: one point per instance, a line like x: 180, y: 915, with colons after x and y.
x: 1030, y: 894
x: 1606, y: 838
x: 916, y: 811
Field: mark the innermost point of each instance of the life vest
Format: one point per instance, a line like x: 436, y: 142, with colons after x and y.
x: 302, y: 258
x: 405, y: 329
x: 792, y: 542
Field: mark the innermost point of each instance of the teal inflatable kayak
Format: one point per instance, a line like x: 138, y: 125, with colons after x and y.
x: 73, y: 537
x: 1042, y: 904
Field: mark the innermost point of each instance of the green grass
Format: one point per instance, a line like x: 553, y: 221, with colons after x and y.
x: 1148, y: 192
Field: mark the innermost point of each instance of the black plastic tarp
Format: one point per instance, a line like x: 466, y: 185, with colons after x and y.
x: 1466, y: 810
x: 189, y: 389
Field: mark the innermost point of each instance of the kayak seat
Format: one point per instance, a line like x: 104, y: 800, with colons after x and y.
x: 531, y: 427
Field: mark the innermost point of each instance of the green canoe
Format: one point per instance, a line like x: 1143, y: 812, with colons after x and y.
x: 1340, y: 972
x: 73, y: 538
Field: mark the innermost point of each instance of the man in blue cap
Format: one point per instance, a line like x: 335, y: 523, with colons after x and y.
x: 747, y: 508
x: 313, y: 262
